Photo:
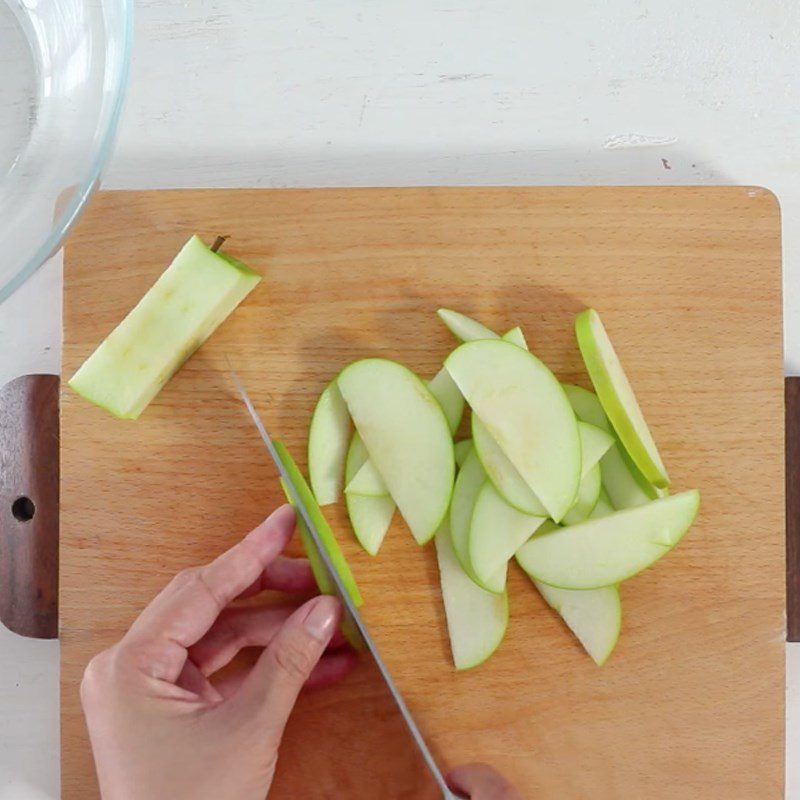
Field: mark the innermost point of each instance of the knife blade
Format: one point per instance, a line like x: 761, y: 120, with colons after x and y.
x: 349, y: 607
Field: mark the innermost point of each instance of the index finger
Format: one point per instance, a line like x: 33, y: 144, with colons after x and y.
x: 192, y: 601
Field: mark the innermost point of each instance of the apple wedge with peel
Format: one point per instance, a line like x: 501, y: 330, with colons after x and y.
x: 369, y: 516
x: 328, y: 439
x: 502, y: 473
x: 606, y: 551
x: 588, y: 495
x: 517, y: 337
x: 407, y: 438
x: 626, y: 486
x: 497, y: 530
x: 526, y: 412
x: 368, y: 480
x: 468, y: 485
x: 464, y: 328
x: 476, y: 619
x: 461, y: 450
x: 617, y: 398
x: 603, y: 507
x: 595, y: 443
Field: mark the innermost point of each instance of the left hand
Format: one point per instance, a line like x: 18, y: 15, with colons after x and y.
x: 160, y: 728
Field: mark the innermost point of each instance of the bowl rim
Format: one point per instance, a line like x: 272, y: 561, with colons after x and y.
x: 68, y: 217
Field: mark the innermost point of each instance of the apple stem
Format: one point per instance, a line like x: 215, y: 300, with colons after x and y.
x: 218, y: 242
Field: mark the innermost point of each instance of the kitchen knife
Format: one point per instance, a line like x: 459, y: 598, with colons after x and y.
x: 349, y: 608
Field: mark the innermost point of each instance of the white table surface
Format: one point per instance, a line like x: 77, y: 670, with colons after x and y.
x: 342, y: 92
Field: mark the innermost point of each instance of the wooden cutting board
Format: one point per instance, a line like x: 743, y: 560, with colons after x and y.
x: 688, y: 280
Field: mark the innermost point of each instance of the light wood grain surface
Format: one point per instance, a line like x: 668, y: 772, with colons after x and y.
x: 688, y: 282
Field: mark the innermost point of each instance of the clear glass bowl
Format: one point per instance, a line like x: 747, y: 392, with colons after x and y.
x: 63, y: 72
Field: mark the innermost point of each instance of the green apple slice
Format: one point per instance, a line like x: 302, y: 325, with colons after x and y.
x: 502, y: 473
x: 602, y: 507
x: 588, y: 495
x: 527, y: 413
x: 448, y: 397
x: 617, y: 398
x: 626, y: 486
x: 327, y: 539
x: 407, y: 437
x: 476, y: 619
x: 461, y: 450
x: 595, y: 443
x: 328, y: 440
x: 609, y: 550
x: 193, y: 296
x: 367, y: 482
x: 468, y: 484
x: 497, y: 530
x: 517, y: 337
x: 463, y: 327
x: 369, y: 516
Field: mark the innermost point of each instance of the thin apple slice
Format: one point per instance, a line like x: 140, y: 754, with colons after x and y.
x: 461, y: 450
x: 602, y: 507
x: 617, y: 398
x: 527, y: 413
x: 449, y: 398
x: 407, y: 437
x: 595, y: 443
x: 465, y: 492
x: 497, y: 530
x: 517, y: 337
x: 369, y: 516
x: 463, y: 327
x: 588, y: 495
x: 626, y: 486
x: 606, y: 551
x: 367, y: 482
x: 502, y: 473
x: 476, y: 619
x: 328, y: 440
x: 327, y: 541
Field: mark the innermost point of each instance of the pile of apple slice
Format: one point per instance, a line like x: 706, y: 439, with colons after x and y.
x: 567, y: 482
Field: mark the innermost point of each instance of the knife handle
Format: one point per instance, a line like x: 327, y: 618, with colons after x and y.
x: 29, y: 485
x: 792, y: 396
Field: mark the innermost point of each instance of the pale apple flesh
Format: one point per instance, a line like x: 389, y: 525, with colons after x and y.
x: 328, y: 440
x: 407, y: 438
x: 527, y: 413
x: 468, y: 484
x: 476, y: 619
x: 588, y: 495
x: 611, y: 549
x: 463, y: 327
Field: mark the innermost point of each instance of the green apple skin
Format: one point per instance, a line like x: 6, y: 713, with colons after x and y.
x: 461, y: 450
x: 407, y: 437
x: 370, y: 517
x: 328, y: 439
x: 527, y: 413
x: 617, y: 397
x: 606, y: 551
x: 476, y: 619
x: 464, y: 328
x: 502, y: 473
x: 187, y: 303
x: 468, y: 484
x: 497, y: 530
x: 626, y: 486
x: 449, y: 398
x: 588, y: 495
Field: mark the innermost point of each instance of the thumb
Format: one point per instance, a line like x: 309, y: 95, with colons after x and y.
x: 271, y: 688
x: 481, y: 782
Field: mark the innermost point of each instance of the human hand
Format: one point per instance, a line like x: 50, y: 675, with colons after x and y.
x: 481, y: 782
x: 159, y: 728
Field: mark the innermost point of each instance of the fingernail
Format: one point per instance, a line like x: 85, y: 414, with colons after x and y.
x: 322, y: 618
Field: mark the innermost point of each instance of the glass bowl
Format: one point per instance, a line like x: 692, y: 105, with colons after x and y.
x: 63, y: 71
